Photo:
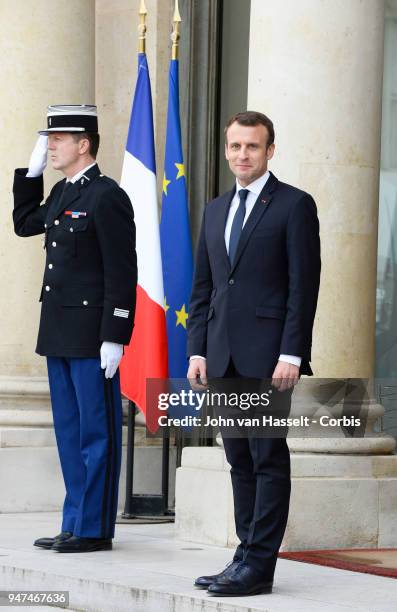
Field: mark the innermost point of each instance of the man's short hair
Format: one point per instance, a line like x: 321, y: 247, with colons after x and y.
x: 93, y: 139
x: 250, y: 119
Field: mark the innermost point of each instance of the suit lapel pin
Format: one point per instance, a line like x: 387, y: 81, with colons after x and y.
x: 264, y: 201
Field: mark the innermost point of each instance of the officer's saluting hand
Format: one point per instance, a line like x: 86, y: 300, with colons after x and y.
x: 38, y: 159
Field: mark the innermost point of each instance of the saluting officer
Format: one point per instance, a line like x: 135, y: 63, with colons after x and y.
x: 87, y: 315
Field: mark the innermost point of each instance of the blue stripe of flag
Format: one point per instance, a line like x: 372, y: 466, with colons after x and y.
x: 140, y: 139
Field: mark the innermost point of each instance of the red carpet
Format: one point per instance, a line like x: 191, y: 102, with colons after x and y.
x: 379, y: 561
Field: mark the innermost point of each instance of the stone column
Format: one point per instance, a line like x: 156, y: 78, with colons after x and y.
x: 316, y: 69
x: 47, y: 57
x: 320, y: 80
x: 322, y: 88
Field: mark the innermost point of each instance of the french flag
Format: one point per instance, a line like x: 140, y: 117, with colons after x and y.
x: 146, y: 356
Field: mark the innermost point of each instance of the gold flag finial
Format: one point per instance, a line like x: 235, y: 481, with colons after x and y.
x: 175, y: 31
x: 142, y: 27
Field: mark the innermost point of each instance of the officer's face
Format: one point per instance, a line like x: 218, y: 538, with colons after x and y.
x: 247, y: 152
x: 64, y: 151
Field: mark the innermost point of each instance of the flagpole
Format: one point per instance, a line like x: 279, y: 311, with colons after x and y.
x: 175, y: 39
x: 128, y: 506
x: 166, y: 439
x: 142, y: 27
x: 175, y: 35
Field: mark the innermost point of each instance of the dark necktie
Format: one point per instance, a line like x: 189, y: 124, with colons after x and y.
x: 57, y: 206
x: 65, y: 189
x: 237, y: 225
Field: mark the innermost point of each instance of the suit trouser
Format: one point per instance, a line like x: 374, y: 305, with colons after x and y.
x: 261, y: 482
x: 88, y: 423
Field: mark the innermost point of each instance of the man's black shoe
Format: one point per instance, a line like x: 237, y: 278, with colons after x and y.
x: 49, y: 542
x: 203, y: 582
x: 80, y: 545
x: 244, y: 581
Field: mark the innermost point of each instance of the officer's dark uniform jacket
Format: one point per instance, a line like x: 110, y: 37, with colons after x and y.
x: 88, y: 293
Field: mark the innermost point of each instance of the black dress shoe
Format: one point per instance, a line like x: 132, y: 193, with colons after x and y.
x: 244, y: 581
x: 79, y: 545
x: 203, y: 582
x: 49, y: 542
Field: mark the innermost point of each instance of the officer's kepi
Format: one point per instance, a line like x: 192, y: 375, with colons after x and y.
x: 71, y: 118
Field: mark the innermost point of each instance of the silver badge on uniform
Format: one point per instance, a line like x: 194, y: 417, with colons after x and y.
x: 121, y: 312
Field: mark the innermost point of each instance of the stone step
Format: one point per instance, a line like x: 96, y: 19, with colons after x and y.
x: 149, y: 570
x: 14, y: 436
x: 11, y: 437
x: 32, y: 478
x: 354, y: 496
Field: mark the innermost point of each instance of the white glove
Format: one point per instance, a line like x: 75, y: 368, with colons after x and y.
x: 38, y: 159
x: 111, y: 354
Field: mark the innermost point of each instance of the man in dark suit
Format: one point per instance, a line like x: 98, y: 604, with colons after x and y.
x: 87, y: 315
x: 251, y: 315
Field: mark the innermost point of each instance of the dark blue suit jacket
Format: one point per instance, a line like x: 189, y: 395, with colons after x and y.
x: 265, y: 304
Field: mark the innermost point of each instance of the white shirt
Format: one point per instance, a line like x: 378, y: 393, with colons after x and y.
x: 80, y: 174
x: 254, y: 189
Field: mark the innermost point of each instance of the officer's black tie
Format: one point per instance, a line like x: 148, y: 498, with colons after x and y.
x: 237, y: 225
x: 58, y: 205
x: 66, y: 187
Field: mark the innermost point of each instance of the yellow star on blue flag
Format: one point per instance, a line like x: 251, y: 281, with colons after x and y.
x: 165, y: 184
x: 181, y: 170
x: 181, y: 316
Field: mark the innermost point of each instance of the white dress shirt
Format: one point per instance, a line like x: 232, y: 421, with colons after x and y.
x: 254, y: 189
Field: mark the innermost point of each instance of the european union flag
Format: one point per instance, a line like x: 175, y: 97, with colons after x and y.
x: 176, y: 243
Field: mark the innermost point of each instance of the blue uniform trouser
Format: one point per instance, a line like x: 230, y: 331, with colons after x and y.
x: 88, y: 422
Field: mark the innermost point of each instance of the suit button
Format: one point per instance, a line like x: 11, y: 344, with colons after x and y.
x: 54, y: 244
x: 47, y: 288
x: 50, y: 266
x: 45, y: 225
x: 71, y: 229
x: 231, y: 281
x: 85, y: 303
x: 56, y: 222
